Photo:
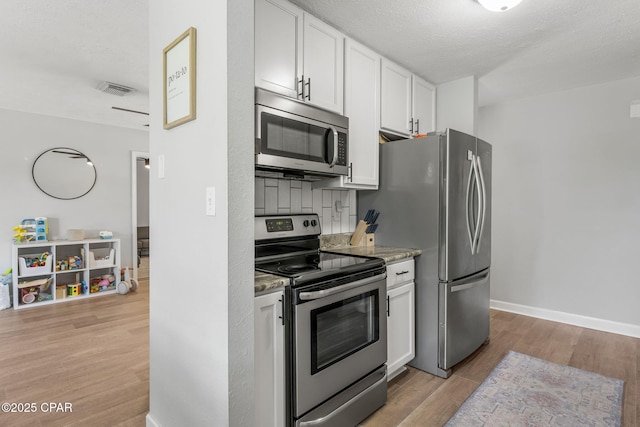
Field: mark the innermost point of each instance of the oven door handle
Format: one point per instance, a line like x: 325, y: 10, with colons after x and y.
x: 310, y: 296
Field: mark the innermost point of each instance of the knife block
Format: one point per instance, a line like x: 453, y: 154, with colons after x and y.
x: 357, y: 236
x: 369, y: 239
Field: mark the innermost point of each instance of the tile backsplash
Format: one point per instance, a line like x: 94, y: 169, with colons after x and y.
x: 279, y: 196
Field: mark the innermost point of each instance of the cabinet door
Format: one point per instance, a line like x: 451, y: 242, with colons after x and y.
x: 400, y: 328
x: 424, y: 106
x: 362, y: 106
x: 278, y: 46
x: 395, y: 99
x: 269, y: 360
x: 323, y: 64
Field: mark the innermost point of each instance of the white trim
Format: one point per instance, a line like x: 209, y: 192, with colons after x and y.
x: 569, y: 318
x: 150, y: 421
x: 134, y: 209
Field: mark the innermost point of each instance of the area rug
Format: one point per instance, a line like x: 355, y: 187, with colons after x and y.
x: 526, y: 391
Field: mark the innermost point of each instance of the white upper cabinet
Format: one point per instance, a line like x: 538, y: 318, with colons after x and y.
x: 298, y: 55
x: 362, y: 106
x: 395, y: 99
x: 323, y: 68
x: 407, y: 101
x: 278, y: 46
x: 424, y: 106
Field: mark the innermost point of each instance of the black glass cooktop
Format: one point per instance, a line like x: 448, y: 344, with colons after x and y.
x: 318, y: 265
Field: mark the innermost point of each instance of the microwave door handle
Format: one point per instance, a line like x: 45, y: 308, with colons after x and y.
x: 335, y: 146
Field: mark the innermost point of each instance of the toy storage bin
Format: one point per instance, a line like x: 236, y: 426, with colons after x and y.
x: 34, y: 271
x: 102, y: 257
x: 61, y: 291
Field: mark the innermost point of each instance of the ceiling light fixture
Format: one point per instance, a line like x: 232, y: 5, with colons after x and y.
x: 499, y: 5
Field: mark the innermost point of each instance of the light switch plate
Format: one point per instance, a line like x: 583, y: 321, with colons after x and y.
x: 161, y: 166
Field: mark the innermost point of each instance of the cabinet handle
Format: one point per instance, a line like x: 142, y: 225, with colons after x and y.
x: 402, y: 272
x: 308, y: 89
x: 301, y: 83
x: 388, y: 307
x: 281, y: 317
x: 350, y: 175
x: 417, y: 126
x: 411, y: 125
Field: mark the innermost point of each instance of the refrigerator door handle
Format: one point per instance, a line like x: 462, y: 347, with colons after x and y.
x: 469, y: 202
x: 484, y: 202
x: 476, y: 234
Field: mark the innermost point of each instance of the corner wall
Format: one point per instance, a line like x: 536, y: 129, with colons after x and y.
x: 566, y: 204
x: 106, y: 207
x: 201, y: 297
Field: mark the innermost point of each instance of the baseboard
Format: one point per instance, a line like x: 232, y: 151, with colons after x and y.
x: 571, y: 319
x: 151, y: 422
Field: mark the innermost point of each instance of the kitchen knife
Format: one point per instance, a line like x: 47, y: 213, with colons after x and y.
x: 374, y: 218
x: 368, y: 215
x: 372, y: 228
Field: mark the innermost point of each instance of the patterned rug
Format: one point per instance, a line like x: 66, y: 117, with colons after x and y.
x: 525, y: 391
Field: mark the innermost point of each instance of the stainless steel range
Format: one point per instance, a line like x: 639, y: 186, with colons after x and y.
x: 335, y: 325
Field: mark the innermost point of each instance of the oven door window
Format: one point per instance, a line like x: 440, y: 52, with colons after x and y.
x: 291, y: 138
x: 343, y: 328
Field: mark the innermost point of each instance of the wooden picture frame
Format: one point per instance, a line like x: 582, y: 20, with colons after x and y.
x: 179, y: 72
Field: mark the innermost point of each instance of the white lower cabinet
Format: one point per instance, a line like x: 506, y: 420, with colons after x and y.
x: 401, y: 334
x: 269, y: 360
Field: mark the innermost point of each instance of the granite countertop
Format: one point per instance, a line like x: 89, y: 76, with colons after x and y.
x: 388, y: 254
x: 265, y: 283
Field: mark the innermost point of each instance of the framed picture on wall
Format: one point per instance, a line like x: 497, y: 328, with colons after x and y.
x: 179, y: 71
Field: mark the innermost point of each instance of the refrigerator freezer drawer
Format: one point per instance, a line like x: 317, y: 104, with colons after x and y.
x: 463, y: 318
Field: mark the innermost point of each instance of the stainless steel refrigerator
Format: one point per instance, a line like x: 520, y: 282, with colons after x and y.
x: 435, y: 195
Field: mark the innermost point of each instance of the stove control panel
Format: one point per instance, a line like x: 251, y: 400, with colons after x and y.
x: 279, y: 226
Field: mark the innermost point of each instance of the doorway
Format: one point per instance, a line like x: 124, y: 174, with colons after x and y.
x: 140, y: 168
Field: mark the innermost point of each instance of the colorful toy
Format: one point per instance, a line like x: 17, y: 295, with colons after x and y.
x: 38, y: 261
x: 42, y: 228
x: 21, y: 234
x: 30, y: 294
x: 73, y: 289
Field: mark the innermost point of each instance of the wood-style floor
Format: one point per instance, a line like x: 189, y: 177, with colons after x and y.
x: 91, y: 353
x: 416, y: 398
x: 94, y: 354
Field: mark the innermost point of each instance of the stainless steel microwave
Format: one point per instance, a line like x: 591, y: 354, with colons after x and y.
x: 298, y: 140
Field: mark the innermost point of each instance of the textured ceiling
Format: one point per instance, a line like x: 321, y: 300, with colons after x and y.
x: 539, y: 46
x: 55, y: 53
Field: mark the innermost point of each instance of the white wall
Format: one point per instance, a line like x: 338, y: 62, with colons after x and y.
x: 106, y: 207
x: 457, y: 105
x: 566, y: 204
x: 279, y: 196
x: 201, y: 300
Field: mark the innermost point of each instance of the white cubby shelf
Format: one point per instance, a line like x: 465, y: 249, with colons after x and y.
x: 68, y: 272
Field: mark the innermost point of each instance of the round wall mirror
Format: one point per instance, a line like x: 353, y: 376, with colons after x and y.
x: 64, y: 173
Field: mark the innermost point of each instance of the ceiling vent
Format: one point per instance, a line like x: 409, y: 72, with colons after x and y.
x: 115, y: 89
